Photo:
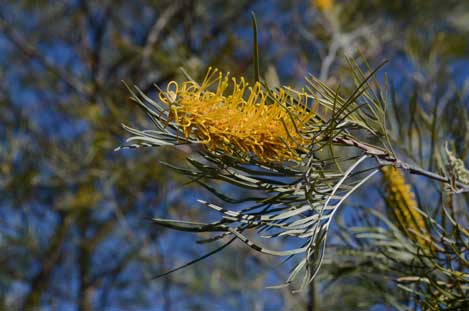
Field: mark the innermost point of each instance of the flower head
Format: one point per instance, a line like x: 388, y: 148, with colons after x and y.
x: 227, y: 115
x: 323, y: 5
x: 403, y: 205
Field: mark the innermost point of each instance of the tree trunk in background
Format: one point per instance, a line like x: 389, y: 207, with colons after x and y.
x: 50, y: 259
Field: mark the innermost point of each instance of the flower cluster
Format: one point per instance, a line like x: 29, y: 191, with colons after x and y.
x: 323, y: 5
x: 230, y: 117
x: 401, y: 200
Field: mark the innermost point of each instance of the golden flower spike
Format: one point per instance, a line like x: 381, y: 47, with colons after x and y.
x: 324, y: 5
x: 404, y: 209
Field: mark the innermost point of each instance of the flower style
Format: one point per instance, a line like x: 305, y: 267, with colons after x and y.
x: 241, y: 120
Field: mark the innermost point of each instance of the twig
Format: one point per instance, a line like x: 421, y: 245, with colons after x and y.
x: 369, y: 149
x: 384, y: 158
x: 155, y: 32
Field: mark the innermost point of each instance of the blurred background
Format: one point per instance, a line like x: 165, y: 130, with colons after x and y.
x: 75, y: 216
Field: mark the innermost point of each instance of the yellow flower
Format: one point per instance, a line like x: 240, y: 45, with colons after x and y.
x: 323, y: 5
x: 230, y: 117
x: 403, y: 207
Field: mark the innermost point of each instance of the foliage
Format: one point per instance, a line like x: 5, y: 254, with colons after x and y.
x: 297, y: 197
x: 76, y: 227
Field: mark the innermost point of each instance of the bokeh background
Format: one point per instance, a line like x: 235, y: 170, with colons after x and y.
x: 75, y: 216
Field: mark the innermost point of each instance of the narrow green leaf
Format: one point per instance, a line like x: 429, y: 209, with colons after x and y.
x: 195, y: 260
x: 255, y: 49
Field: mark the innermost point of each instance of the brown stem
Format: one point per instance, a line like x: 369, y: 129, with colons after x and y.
x: 369, y: 149
x: 313, y: 297
x: 384, y: 158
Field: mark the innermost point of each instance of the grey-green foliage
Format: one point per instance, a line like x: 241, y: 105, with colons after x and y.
x: 283, y: 200
x: 47, y: 167
x: 433, y: 275
x: 360, y: 122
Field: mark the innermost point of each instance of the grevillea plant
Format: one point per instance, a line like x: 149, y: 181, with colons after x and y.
x: 274, y: 143
x: 295, y: 155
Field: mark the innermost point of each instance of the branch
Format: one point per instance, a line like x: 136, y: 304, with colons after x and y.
x: 155, y: 31
x: 369, y: 149
x: 384, y: 158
